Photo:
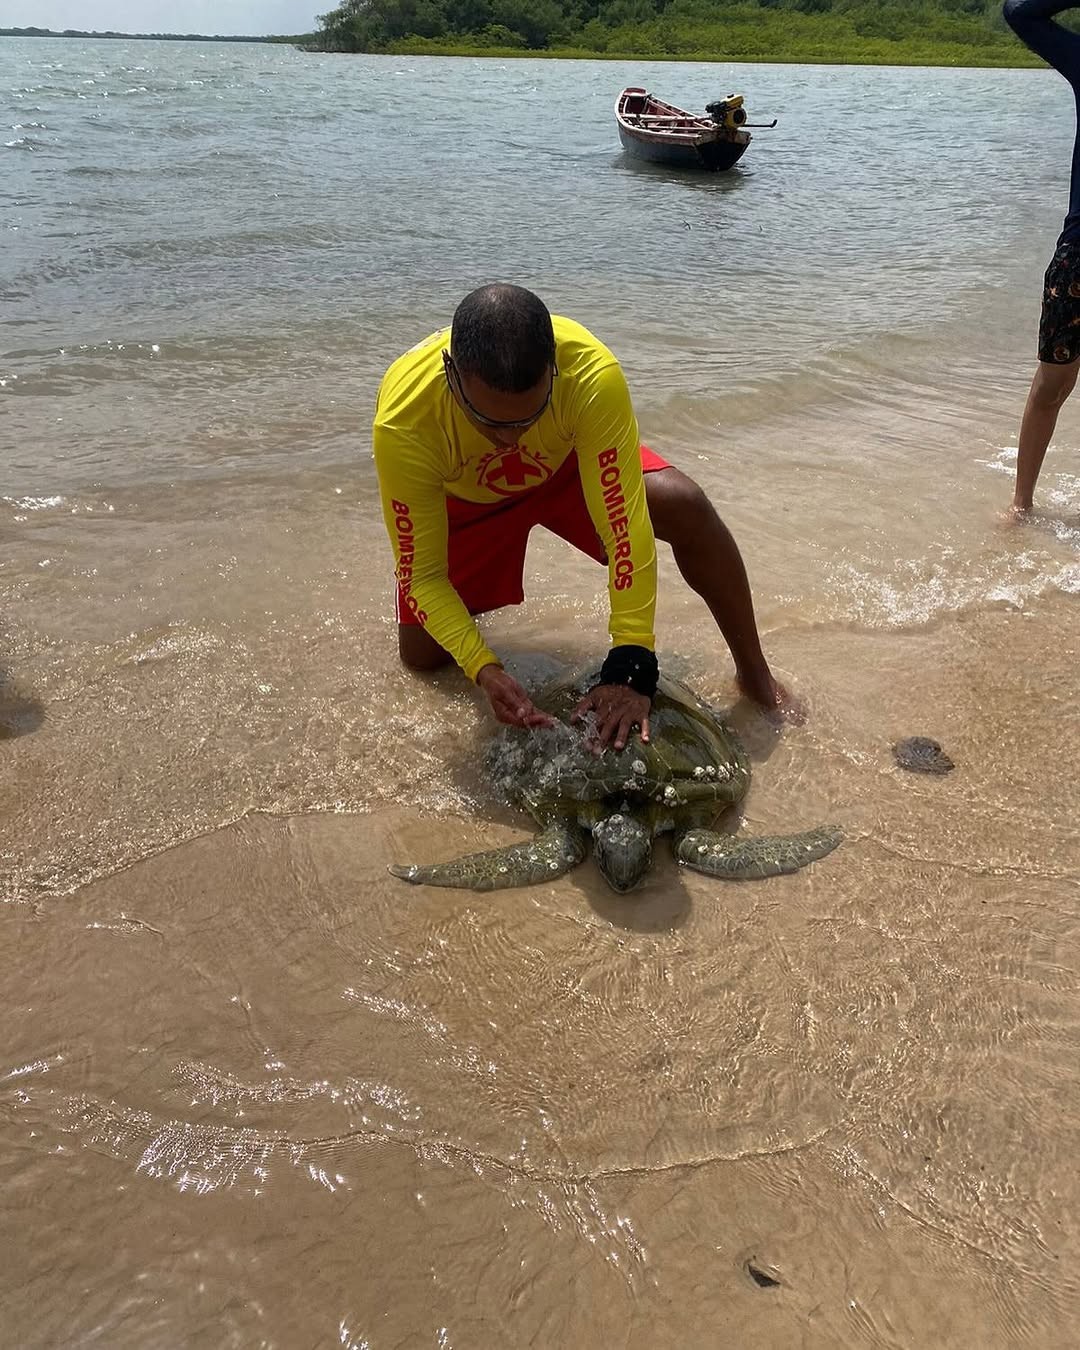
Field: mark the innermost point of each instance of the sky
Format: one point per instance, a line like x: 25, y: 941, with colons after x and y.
x: 254, y: 17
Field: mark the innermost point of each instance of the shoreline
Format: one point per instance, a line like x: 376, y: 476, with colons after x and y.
x: 943, y: 57
x: 924, y: 60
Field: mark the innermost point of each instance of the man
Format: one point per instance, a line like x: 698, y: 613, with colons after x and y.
x: 1059, y: 329
x: 515, y: 419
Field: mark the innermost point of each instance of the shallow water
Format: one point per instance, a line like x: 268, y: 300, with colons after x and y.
x: 255, y: 1091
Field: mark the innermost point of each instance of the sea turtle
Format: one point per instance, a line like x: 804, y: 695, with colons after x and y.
x: 692, y: 768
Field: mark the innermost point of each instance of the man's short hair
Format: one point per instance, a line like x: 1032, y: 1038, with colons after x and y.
x: 503, y: 335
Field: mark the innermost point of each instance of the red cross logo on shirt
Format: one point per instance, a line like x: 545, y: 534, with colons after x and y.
x: 508, y: 471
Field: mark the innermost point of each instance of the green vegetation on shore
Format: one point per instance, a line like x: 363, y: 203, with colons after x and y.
x: 870, y: 32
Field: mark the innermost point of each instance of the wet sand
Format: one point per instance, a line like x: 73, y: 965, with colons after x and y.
x: 277, y: 1096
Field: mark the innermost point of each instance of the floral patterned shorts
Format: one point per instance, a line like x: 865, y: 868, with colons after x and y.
x: 1059, y: 329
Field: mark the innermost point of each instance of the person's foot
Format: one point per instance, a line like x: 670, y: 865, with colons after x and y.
x: 787, y: 708
x: 776, y: 702
x: 1017, y: 513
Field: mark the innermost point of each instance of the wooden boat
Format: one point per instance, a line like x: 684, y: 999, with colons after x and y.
x: 651, y: 129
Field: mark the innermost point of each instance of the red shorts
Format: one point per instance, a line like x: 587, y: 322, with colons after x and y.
x: 487, y: 541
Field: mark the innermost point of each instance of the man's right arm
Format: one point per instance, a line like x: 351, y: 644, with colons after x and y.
x: 414, y: 511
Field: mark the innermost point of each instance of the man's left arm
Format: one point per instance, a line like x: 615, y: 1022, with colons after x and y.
x: 609, y: 464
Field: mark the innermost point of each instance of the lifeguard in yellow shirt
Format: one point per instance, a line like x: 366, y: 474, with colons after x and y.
x: 514, y: 418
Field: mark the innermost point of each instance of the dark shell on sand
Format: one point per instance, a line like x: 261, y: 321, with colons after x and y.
x: 921, y: 755
x: 761, y: 1276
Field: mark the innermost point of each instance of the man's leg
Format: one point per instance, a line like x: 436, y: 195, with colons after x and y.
x: 1050, y: 388
x: 1056, y: 373
x: 710, y: 562
x: 419, y: 650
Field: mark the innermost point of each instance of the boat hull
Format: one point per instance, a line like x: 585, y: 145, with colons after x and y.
x: 714, y: 155
x: 660, y: 132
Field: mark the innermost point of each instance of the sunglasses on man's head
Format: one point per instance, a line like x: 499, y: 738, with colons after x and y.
x: 453, y: 379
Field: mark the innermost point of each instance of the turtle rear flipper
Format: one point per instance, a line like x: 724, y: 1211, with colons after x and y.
x: 740, y: 859
x: 551, y: 854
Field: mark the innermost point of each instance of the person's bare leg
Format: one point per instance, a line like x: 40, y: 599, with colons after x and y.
x: 1034, y: 23
x: 708, y: 558
x: 419, y: 650
x: 1050, y: 388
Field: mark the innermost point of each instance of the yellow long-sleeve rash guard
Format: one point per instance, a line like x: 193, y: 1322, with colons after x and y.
x: 426, y: 450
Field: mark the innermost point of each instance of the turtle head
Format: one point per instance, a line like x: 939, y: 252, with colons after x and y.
x: 623, y: 850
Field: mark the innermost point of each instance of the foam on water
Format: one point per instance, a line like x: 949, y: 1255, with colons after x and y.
x: 33, y: 503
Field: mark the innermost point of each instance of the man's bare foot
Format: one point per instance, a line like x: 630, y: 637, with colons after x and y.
x: 778, y: 704
x: 1017, y: 514
x: 788, y: 708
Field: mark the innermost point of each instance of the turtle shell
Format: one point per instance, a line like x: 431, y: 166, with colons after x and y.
x: 691, y: 758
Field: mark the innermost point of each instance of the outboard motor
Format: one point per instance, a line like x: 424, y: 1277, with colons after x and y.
x: 727, y: 112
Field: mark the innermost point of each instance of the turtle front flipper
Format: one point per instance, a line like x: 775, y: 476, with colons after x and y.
x: 552, y: 853
x: 741, y: 859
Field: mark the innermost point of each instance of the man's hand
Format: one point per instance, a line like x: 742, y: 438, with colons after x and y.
x: 618, y: 709
x: 509, y: 702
